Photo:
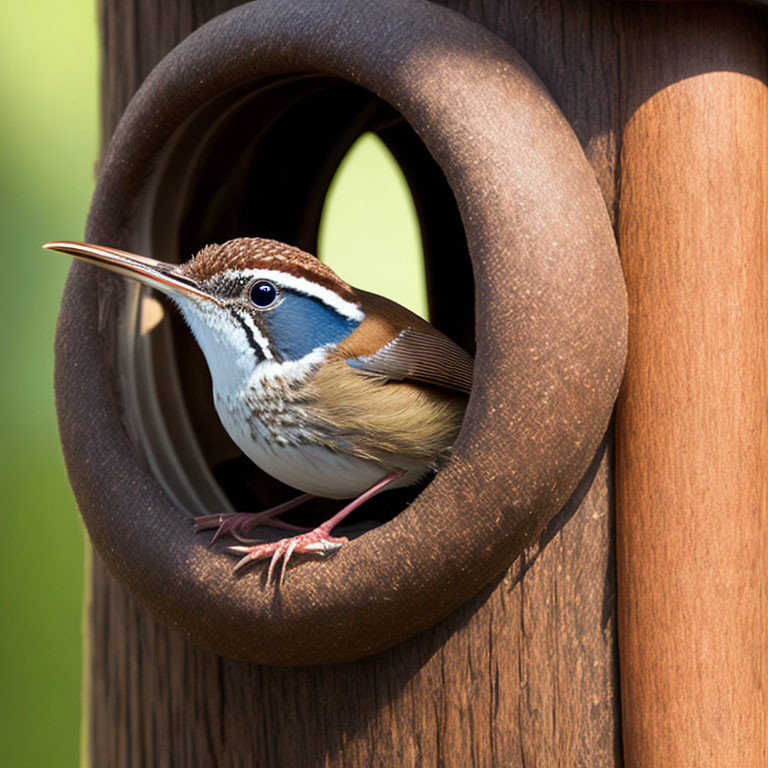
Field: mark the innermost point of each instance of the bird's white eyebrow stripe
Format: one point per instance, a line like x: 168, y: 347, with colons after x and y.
x: 302, y: 285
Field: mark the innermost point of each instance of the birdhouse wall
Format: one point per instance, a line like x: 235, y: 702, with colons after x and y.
x: 527, y: 672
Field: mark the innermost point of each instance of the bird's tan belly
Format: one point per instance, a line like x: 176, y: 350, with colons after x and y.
x: 285, y: 449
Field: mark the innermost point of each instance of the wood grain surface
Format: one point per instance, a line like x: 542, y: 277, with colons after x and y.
x: 523, y: 675
x: 692, y: 425
x: 512, y: 678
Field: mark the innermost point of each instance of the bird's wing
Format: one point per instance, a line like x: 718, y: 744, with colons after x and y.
x: 394, y: 343
x: 429, y: 357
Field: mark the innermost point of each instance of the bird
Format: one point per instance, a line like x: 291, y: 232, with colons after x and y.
x: 333, y: 390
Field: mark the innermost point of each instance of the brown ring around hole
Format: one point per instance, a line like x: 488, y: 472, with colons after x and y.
x: 550, y: 324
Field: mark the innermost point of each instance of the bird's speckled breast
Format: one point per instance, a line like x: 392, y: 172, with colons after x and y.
x: 270, y: 420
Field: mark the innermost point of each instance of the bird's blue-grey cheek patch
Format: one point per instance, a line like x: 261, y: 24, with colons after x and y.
x: 301, y: 324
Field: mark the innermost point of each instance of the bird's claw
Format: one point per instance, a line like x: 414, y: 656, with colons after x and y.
x: 237, y: 524
x: 204, y: 522
x: 313, y: 542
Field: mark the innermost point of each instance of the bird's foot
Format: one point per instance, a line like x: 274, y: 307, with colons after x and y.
x: 318, y: 542
x: 238, y: 524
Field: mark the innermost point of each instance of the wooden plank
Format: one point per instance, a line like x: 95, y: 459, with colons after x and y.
x: 692, y: 424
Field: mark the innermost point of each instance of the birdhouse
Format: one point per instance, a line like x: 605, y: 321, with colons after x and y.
x: 475, y: 619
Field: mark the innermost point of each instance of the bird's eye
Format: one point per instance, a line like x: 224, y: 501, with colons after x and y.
x: 263, y: 294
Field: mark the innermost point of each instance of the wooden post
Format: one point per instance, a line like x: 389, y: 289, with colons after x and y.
x: 523, y: 674
x: 692, y: 427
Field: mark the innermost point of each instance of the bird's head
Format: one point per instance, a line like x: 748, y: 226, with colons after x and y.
x: 248, y: 301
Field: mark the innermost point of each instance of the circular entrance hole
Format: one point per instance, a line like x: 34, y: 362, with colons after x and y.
x: 258, y: 163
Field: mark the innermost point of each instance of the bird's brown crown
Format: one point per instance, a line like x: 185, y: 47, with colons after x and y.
x: 246, y: 253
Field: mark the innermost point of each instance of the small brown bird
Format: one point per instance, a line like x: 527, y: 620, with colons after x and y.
x: 335, y: 391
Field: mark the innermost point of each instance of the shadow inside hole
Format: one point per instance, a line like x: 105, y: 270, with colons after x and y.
x: 259, y: 164
x: 244, y: 483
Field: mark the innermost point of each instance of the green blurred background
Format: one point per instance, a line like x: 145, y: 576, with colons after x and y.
x: 48, y: 135
x: 49, y: 132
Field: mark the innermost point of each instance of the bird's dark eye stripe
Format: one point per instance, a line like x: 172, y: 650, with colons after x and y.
x: 263, y: 294
x: 255, y: 346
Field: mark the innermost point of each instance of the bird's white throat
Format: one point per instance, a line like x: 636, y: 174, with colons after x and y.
x: 225, y: 343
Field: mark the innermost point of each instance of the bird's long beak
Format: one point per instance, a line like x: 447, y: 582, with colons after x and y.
x: 158, y: 274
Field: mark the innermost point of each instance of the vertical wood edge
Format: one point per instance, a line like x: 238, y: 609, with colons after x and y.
x: 692, y: 425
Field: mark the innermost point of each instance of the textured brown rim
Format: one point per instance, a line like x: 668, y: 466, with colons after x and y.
x: 551, y: 334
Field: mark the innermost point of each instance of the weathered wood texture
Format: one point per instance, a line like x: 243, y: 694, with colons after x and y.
x: 692, y: 425
x: 523, y: 675
x: 512, y: 678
